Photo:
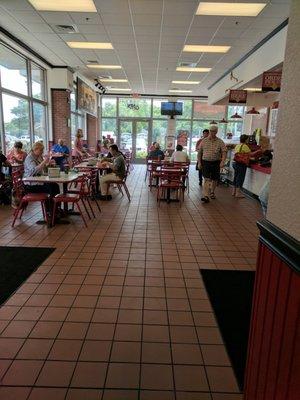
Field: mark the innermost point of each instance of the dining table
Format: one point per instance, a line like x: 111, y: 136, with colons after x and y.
x: 63, y: 179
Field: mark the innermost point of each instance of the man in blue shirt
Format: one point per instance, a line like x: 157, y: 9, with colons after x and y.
x: 60, y: 152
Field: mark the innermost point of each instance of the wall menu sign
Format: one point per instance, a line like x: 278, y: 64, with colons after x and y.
x: 271, y: 81
x: 182, y: 137
x: 237, y: 97
x: 86, y: 98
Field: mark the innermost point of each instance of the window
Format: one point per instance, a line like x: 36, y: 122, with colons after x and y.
x: 39, y: 123
x: 16, y: 121
x: 109, y: 128
x: 13, y: 70
x: 130, y: 107
x: 109, y: 107
x: 23, y: 95
x: 37, y: 82
x: 159, y: 131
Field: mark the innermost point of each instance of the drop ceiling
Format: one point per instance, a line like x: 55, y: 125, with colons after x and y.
x: 148, y: 37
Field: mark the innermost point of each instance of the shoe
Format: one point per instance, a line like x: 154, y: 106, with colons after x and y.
x: 102, y: 197
x: 109, y: 197
x: 212, y: 196
x: 205, y: 199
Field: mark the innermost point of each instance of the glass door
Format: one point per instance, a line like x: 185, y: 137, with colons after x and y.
x: 134, y: 137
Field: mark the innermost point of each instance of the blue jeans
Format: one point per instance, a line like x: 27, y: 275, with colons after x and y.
x: 239, y: 174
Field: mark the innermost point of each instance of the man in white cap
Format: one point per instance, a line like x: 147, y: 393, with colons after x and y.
x: 212, y: 155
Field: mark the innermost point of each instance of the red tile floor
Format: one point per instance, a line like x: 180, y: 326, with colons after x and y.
x: 119, y: 310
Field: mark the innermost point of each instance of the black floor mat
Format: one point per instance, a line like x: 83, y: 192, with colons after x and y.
x: 16, y: 265
x: 230, y: 293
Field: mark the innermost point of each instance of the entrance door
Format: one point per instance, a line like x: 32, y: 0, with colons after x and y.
x: 134, y: 137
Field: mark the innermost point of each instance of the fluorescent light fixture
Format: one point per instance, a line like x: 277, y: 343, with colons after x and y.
x: 205, y: 49
x: 113, y: 80
x: 230, y: 9
x: 119, y: 89
x: 192, y: 69
x: 186, y: 82
x: 90, y: 45
x: 99, y: 66
x: 180, y: 91
x: 64, y: 5
x: 253, y: 89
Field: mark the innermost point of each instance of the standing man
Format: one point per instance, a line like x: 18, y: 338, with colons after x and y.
x: 212, y: 155
x: 205, y: 133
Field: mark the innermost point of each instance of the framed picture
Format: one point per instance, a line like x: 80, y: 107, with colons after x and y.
x: 86, y: 98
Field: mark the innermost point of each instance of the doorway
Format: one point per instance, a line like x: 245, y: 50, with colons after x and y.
x: 134, y: 136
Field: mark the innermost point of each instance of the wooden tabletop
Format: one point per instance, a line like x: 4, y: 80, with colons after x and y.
x: 63, y: 178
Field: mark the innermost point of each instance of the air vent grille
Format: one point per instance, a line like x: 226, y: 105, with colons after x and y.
x: 187, y: 64
x: 65, y: 28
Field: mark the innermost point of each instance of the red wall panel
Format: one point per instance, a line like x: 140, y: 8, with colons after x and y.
x: 273, y: 371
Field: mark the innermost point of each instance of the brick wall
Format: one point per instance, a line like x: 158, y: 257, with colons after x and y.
x: 61, y: 114
x: 92, y: 131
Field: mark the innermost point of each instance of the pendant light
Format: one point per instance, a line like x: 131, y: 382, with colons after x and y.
x: 253, y: 111
x: 223, y: 121
x: 213, y: 122
x: 236, y: 116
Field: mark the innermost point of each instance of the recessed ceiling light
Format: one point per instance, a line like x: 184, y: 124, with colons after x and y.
x: 119, y: 89
x: 90, y: 45
x: 64, y: 5
x: 99, y: 66
x: 192, y: 69
x: 205, y: 49
x: 114, y: 80
x: 230, y: 9
x: 180, y: 91
x: 186, y: 82
x: 253, y: 89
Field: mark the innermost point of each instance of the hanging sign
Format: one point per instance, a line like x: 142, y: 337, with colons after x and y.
x: 182, y: 137
x: 238, y: 96
x: 271, y: 81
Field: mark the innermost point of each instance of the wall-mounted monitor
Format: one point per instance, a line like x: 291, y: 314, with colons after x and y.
x: 171, y: 108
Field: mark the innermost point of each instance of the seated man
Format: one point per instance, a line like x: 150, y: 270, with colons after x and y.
x: 179, y: 155
x: 157, y: 152
x: 60, y: 153
x: 118, y: 171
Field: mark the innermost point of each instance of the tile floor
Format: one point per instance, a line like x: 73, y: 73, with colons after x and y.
x: 119, y: 310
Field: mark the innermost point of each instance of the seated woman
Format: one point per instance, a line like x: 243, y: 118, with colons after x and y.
x: 60, y: 153
x: 16, y: 154
x: 179, y: 155
x: 157, y: 152
x: 33, y: 166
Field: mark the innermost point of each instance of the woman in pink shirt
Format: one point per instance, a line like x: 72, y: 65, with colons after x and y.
x: 78, y: 150
x: 16, y: 154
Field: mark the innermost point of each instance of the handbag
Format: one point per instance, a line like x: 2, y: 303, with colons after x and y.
x: 242, y: 158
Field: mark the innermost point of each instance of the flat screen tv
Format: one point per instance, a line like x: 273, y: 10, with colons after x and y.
x: 171, y: 108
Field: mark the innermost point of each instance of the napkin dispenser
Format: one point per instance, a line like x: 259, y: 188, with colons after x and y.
x: 54, y: 172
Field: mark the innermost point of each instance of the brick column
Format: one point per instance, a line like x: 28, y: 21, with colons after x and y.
x: 92, y: 131
x: 61, y: 115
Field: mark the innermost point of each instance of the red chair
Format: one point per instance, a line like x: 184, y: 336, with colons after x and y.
x: 73, y: 198
x: 171, y: 179
x: 19, y: 192
x: 82, y: 187
x: 120, y: 182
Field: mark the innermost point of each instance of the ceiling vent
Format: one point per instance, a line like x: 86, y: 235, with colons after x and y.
x: 65, y: 29
x: 104, y: 77
x: 187, y: 64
